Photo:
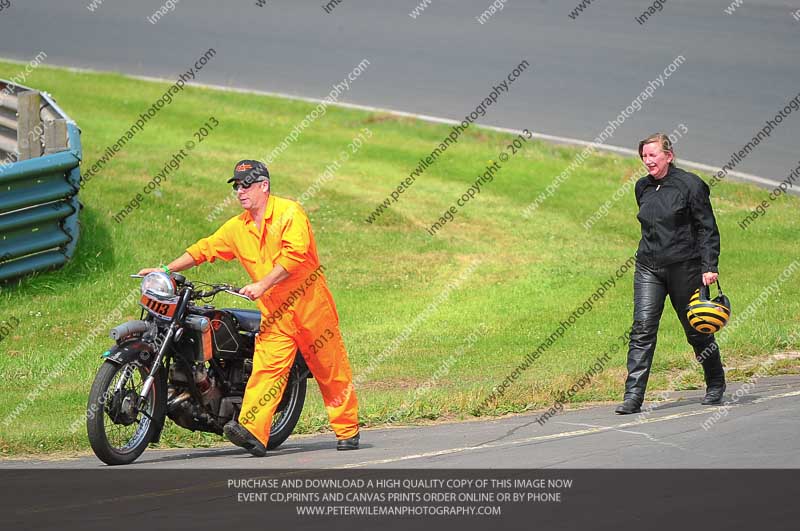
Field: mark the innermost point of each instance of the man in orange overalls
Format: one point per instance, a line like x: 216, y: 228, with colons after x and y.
x: 273, y: 240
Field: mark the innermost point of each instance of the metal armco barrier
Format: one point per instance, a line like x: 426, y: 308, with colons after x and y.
x: 39, y: 204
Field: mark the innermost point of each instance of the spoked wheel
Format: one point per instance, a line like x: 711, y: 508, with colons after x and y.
x: 118, y: 431
x: 288, y: 412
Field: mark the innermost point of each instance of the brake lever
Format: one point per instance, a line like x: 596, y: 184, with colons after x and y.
x: 232, y: 292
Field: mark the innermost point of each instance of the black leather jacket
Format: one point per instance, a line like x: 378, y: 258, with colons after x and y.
x: 677, y: 221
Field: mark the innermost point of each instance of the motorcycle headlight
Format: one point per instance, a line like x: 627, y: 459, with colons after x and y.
x: 158, y: 284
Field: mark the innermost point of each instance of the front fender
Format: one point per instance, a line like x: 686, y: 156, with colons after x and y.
x: 143, y: 352
x: 136, y: 350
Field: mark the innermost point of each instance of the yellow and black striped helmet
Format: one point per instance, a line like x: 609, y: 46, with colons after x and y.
x: 708, y: 315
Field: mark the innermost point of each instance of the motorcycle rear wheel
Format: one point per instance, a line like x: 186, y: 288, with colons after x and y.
x: 288, y: 412
x: 118, y: 435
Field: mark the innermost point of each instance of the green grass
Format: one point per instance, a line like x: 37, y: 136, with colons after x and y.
x: 532, y: 273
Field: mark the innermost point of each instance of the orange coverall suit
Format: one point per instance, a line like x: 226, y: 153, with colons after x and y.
x: 299, y: 312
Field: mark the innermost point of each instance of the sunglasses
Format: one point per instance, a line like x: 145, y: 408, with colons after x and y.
x: 245, y: 184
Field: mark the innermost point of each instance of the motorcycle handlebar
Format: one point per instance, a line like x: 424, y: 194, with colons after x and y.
x: 215, y: 288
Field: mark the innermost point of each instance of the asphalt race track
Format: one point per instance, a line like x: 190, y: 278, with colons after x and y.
x: 756, y: 428
x: 740, y: 69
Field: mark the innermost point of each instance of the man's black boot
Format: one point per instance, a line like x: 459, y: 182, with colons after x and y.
x: 628, y: 406
x: 241, y: 436
x: 348, y: 444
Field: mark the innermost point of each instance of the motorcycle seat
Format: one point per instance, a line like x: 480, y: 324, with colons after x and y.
x: 249, y: 320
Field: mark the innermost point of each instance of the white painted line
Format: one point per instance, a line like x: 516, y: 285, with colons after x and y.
x: 643, y: 434
x: 748, y: 177
x: 448, y: 121
x: 783, y: 395
x: 552, y: 436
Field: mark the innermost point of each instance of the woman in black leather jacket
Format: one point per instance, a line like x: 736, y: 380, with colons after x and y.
x: 678, y: 252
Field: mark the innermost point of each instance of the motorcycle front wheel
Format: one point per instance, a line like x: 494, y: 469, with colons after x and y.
x: 288, y: 412
x: 118, y: 432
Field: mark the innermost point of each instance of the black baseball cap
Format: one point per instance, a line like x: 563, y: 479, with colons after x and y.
x: 249, y: 171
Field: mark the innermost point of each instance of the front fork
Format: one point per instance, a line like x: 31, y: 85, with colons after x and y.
x: 151, y: 378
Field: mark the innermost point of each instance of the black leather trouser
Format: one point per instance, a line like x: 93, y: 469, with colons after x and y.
x: 650, y: 287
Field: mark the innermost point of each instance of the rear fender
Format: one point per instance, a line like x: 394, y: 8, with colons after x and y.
x: 302, y: 366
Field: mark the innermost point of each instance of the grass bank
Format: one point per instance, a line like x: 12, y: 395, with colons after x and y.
x: 421, y: 347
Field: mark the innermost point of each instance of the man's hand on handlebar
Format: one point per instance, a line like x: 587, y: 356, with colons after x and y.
x: 257, y: 289
x: 254, y: 291
x: 185, y: 261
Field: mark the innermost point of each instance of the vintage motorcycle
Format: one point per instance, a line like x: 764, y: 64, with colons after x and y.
x: 184, y: 361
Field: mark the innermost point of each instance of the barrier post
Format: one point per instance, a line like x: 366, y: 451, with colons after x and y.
x: 29, y: 125
x: 55, y: 136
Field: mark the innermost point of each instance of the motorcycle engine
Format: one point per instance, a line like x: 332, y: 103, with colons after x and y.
x: 183, y: 409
